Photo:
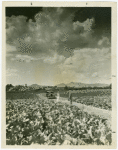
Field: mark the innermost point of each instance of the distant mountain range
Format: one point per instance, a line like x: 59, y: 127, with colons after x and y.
x: 61, y: 85
x: 80, y: 85
x: 72, y: 84
x: 36, y: 86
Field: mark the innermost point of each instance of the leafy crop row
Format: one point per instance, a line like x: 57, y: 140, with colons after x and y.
x: 103, y: 102
x: 49, y: 123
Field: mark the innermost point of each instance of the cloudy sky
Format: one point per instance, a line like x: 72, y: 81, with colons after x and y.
x: 49, y: 46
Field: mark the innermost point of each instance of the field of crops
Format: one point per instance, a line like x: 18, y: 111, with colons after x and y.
x: 13, y: 95
x: 20, y: 95
x: 100, y: 98
x: 50, y: 123
x: 103, y: 102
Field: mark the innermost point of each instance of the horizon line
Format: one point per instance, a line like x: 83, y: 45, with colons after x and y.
x: 57, y: 84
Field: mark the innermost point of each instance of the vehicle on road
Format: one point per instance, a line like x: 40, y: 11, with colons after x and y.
x: 50, y: 95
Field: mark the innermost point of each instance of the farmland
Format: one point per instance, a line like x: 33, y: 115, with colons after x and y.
x: 31, y: 119
x: 50, y: 123
x: 20, y: 95
x: 23, y: 94
x: 100, y: 98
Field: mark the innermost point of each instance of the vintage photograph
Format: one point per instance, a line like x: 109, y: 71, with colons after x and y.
x: 58, y: 87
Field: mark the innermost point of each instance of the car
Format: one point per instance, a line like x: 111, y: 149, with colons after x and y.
x: 50, y: 95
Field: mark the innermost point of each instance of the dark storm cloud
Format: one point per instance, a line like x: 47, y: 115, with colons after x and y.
x: 102, y: 16
x: 28, y: 12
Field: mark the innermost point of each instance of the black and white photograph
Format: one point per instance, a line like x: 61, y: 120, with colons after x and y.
x: 58, y: 75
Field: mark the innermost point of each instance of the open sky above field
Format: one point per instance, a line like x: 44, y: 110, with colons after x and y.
x: 49, y: 46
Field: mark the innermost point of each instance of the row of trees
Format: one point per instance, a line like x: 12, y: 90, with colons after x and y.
x: 10, y: 87
x: 83, y: 88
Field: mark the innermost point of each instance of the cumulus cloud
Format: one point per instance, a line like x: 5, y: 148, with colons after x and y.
x: 16, y: 26
x: 84, y: 26
x: 55, y: 59
x: 88, y: 64
x: 24, y: 58
x: 104, y: 42
x: 46, y: 59
x: 53, y: 31
x: 70, y: 38
x: 10, y: 49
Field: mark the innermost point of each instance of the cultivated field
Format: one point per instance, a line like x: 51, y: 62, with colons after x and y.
x: 49, y: 123
x: 20, y: 95
x: 100, y: 98
x: 14, y: 95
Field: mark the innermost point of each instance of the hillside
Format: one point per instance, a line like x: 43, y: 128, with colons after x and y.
x: 61, y: 85
x: 35, y: 86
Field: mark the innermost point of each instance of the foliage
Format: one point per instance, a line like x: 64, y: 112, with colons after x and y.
x: 49, y: 123
x: 9, y: 86
x: 89, y: 87
x: 98, y: 98
x: 103, y: 102
x: 20, y: 88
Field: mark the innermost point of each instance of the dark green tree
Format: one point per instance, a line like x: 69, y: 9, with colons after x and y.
x: 66, y: 88
x: 9, y: 86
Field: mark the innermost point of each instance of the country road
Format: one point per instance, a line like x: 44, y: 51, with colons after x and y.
x: 106, y: 114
